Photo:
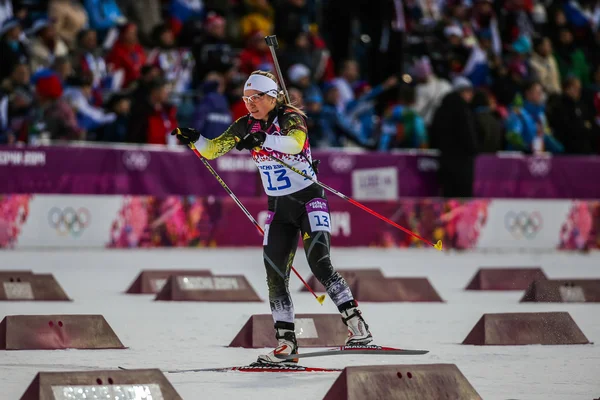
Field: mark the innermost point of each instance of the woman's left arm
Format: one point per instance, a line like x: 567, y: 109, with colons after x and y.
x: 293, y: 135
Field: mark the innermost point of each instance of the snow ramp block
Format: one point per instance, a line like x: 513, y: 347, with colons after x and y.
x: 312, y: 330
x: 395, y: 290
x: 349, y: 275
x: 505, y: 278
x: 52, y: 332
x: 151, y: 281
x: 402, y: 382
x: 514, y: 329
x: 30, y: 287
x: 225, y: 288
x: 563, y: 291
x: 105, y: 384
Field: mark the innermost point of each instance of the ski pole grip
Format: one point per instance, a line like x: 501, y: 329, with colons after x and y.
x: 272, y: 41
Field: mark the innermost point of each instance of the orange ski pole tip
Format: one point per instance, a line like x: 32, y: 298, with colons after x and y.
x: 438, y: 245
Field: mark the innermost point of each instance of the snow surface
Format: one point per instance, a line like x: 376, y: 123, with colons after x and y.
x: 175, y: 335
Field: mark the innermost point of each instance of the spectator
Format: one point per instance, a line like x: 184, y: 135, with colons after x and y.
x: 16, y: 98
x: 12, y: 48
x: 80, y: 96
x: 544, y: 66
x: 361, y: 111
x: 140, y: 88
x: 127, y: 55
x: 314, y: 122
x: 292, y: 17
x: 573, y: 123
x: 296, y: 97
x: 69, y: 18
x: 212, y: 52
x: 570, y: 58
x: 212, y: 115
x: 456, y: 53
x: 349, y: 74
x: 527, y: 127
x: 402, y: 127
x: 88, y: 60
x: 488, y: 124
x: 181, y: 12
x: 259, y: 16
x: 453, y: 133
x: 256, y: 55
x: 299, y: 76
x: 336, y: 127
x: 430, y: 90
x: 175, y: 63
x: 45, y: 45
x: 234, y: 93
x: 116, y: 131
x: 51, y: 117
x: 153, y: 119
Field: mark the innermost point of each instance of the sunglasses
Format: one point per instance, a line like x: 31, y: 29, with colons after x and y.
x: 253, y: 98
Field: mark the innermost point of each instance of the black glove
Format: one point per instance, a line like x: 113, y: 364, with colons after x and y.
x: 186, y: 135
x: 251, y: 140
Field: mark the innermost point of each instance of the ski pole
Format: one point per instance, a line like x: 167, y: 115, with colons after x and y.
x: 272, y: 43
x: 437, y: 246
x: 214, y: 173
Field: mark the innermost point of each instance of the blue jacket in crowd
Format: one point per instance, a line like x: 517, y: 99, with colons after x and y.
x: 212, y: 115
x: 522, y: 128
x: 403, y: 128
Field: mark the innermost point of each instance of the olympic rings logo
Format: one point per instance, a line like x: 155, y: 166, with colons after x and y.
x: 523, y: 224
x: 539, y: 166
x: 341, y: 163
x: 69, y: 221
x: 136, y: 160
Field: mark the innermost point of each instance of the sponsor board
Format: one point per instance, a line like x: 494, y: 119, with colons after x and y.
x: 69, y: 221
x: 375, y: 184
x: 521, y: 224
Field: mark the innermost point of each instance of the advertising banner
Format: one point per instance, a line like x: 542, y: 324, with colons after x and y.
x: 28, y: 221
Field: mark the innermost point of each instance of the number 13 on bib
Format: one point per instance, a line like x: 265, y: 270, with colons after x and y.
x: 318, y: 215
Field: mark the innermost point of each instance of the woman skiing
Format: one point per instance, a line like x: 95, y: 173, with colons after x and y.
x: 295, y: 205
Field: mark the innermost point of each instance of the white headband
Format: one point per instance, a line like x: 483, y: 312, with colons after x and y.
x: 262, y: 84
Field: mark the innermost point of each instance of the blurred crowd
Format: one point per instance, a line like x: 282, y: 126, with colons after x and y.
x: 462, y: 76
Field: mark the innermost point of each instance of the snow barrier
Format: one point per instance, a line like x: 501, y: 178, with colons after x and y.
x: 51, y: 332
x: 312, y: 330
x: 350, y: 275
x: 505, y: 278
x: 511, y: 329
x: 226, y: 288
x: 563, y: 291
x: 395, y: 290
x: 402, y: 382
x: 14, y: 275
x: 151, y: 281
x: 30, y: 287
x: 110, y: 384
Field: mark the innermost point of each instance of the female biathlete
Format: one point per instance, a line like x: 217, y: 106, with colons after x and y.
x: 296, y: 205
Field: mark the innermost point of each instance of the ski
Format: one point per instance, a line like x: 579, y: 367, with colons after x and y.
x: 254, y: 367
x: 355, y: 349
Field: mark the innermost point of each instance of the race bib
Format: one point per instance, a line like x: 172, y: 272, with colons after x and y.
x: 318, y: 215
x: 267, y: 226
x: 280, y: 181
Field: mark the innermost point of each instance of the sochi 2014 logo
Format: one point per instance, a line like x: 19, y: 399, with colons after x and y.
x: 523, y: 224
x: 69, y: 221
